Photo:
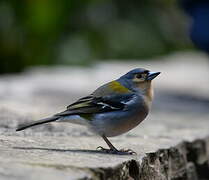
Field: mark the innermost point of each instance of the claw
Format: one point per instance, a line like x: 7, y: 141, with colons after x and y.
x: 115, y: 151
x: 100, y: 148
x: 110, y: 151
x: 129, y: 151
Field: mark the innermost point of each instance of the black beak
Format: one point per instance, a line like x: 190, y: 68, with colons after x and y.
x: 152, y: 75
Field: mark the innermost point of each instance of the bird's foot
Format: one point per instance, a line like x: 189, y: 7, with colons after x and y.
x: 128, y: 151
x: 115, y: 151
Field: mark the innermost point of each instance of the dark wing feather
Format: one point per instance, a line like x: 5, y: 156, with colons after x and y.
x: 91, y: 104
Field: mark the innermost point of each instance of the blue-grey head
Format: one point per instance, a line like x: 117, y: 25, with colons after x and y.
x: 138, y: 79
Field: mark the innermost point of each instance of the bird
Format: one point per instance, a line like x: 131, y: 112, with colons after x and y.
x: 112, y: 109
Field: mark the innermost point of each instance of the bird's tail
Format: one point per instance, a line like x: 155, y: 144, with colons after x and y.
x: 42, y: 121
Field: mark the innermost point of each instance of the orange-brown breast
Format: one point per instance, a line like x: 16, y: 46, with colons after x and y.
x: 147, y: 88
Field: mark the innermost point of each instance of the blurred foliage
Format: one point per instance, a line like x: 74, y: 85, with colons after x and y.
x: 43, y: 32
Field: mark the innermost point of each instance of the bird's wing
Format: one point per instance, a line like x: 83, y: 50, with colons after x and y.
x: 91, y: 104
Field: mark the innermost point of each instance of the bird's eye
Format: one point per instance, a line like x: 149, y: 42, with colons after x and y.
x: 138, y: 76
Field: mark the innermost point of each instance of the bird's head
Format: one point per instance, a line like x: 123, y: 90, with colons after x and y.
x: 139, y: 80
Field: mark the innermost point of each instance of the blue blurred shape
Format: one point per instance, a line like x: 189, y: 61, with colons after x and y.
x: 199, y: 12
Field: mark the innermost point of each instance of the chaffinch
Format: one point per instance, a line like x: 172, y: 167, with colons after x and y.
x: 112, y: 109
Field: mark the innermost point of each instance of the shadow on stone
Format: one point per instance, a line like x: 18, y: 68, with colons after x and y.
x: 67, y: 150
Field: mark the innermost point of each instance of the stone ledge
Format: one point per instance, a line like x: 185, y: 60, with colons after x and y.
x: 186, y: 161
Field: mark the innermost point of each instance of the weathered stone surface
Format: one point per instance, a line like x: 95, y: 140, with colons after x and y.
x: 173, y: 143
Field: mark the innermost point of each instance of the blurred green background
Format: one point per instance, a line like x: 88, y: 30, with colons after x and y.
x: 80, y: 32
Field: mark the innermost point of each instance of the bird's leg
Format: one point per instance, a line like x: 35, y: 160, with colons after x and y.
x: 109, y: 143
x: 112, y: 149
